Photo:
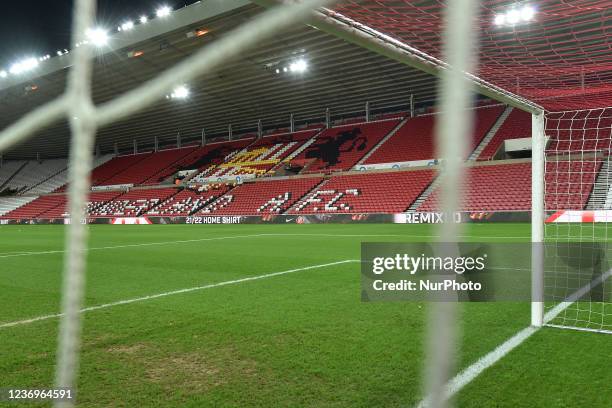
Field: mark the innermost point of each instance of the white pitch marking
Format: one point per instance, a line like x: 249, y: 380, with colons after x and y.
x: 60, y: 251
x: 176, y: 292
x: 470, y: 373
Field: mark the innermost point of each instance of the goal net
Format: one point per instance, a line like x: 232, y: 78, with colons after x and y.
x: 578, y: 202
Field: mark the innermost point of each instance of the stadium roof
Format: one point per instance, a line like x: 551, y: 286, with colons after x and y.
x: 341, y: 76
x: 560, y: 61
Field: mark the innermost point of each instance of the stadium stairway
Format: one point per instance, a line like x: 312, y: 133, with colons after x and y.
x: 601, y: 196
x: 486, y: 141
x: 384, y: 139
x: 516, y: 126
x: 9, y: 170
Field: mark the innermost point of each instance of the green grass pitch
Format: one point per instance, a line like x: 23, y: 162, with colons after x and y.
x: 302, y: 339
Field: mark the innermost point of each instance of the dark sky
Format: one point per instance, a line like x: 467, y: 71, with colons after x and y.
x: 39, y: 27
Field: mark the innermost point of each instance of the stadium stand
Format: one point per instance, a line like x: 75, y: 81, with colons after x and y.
x: 8, y: 204
x: 148, y: 169
x: 366, y: 193
x: 263, y: 154
x: 34, y: 173
x: 340, y: 148
x: 507, y: 187
x: 58, y: 179
x: 8, y: 170
x: 189, y: 201
x: 415, y: 140
x: 36, y: 207
x: 132, y: 204
x: 206, y: 159
x: 266, y: 196
x: 117, y: 165
x: 516, y: 126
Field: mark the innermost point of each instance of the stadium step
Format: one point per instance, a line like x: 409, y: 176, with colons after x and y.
x: 425, y: 194
x: 601, y: 195
x: 384, y: 139
x: 491, y: 134
x: 8, y: 180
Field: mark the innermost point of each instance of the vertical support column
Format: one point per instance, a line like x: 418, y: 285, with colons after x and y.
x: 367, y: 111
x: 327, y: 118
x: 229, y: 131
x: 291, y: 123
x: 537, y: 219
x: 203, y: 141
x: 1, y: 160
x: 135, y: 146
x: 38, y: 157
x: 412, y: 105
x: 178, y: 139
x: 116, y: 149
x: 98, y: 151
x: 259, y: 129
x: 156, y: 143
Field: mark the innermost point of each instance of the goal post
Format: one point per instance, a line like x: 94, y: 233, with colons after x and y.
x: 537, y: 218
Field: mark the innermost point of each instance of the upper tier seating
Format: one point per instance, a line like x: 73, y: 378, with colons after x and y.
x: 415, y: 140
x: 114, y: 166
x: 507, y: 187
x: 36, y: 172
x: 188, y: 201
x: 148, y: 170
x: 261, y: 156
x: 208, y: 157
x: 8, y: 169
x: 388, y: 192
x: 54, y: 182
x: 517, y: 125
x: 340, y: 148
x: 132, y: 204
x: 262, y: 197
x: 584, y: 131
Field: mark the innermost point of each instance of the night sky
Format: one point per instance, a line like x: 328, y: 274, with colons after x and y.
x: 39, y: 27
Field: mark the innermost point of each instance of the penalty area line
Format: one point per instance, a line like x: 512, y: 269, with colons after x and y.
x: 176, y: 292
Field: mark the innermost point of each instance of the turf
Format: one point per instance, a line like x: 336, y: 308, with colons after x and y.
x: 300, y: 339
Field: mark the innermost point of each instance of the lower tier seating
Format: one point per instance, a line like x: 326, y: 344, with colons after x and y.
x: 131, y: 204
x: 262, y: 197
x: 389, y: 192
x: 189, y: 201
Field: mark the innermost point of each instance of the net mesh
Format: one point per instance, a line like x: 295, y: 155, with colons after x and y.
x: 561, y: 60
x: 578, y: 198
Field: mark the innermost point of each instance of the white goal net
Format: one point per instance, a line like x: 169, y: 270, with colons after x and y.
x: 578, y: 200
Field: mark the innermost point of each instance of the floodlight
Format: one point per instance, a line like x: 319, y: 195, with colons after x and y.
x: 527, y: 13
x: 127, y: 26
x: 163, y: 11
x: 513, y: 16
x: 97, y: 36
x: 23, y: 66
x: 298, y: 66
x: 143, y: 19
x: 500, y: 19
x: 3, y: 74
x: 180, y: 92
